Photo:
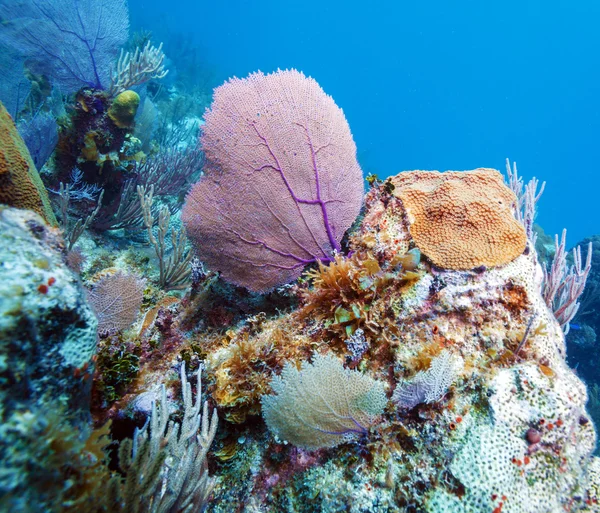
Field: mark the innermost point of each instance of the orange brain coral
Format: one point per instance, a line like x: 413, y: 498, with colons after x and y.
x: 461, y: 219
x: 20, y: 183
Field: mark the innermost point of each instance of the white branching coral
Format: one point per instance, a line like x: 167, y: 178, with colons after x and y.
x: 527, y: 197
x: 428, y: 386
x: 166, y: 463
x: 138, y: 68
x: 322, y: 404
x: 563, y: 284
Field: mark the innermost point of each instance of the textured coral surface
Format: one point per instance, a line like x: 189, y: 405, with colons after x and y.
x: 20, y: 183
x: 47, y: 330
x: 461, y: 219
x: 123, y: 108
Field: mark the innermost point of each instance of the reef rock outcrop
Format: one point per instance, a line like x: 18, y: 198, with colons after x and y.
x: 47, y: 330
x: 507, y: 432
x: 47, y: 343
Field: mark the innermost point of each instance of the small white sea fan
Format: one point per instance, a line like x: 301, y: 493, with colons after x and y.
x: 428, y: 386
x: 322, y: 404
x: 116, y: 300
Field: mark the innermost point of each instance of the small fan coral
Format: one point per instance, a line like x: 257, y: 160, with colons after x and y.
x: 322, y: 404
x: 116, y: 299
x: 428, y: 386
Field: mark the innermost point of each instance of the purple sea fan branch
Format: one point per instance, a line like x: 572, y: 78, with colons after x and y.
x: 73, y: 42
x: 281, y: 182
x: 170, y: 171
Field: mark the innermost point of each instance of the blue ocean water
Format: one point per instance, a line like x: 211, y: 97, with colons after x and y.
x: 429, y: 85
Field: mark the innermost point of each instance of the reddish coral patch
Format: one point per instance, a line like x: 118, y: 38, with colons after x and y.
x: 43, y: 288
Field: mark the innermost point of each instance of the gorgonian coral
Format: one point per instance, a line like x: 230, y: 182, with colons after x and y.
x: 281, y: 183
x: 322, y: 404
x: 116, y: 300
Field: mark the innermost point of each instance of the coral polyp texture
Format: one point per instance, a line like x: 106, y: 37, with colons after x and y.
x: 47, y: 330
x: 486, y: 414
x: 461, y: 219
x: 281, y: 184
x: 20, y: 183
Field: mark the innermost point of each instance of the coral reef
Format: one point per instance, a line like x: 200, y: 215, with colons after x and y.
x: 48, y: 331
x: 47, y: 353
x: 20, y: 184
x: 399, y: 351
x: 502, y: 428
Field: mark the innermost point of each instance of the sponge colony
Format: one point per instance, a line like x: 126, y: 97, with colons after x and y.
x: 20, y: 183
x: 461, y: 219
x: 123, y: 108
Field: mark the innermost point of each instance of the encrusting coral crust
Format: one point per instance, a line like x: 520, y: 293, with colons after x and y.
x: 461, y: 219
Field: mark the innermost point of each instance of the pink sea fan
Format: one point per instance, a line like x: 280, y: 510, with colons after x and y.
x: 116, y: 300
x: 281, y: 184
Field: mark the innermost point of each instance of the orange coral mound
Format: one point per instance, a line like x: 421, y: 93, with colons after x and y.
x: 20, y: 183
x: 461, y: 219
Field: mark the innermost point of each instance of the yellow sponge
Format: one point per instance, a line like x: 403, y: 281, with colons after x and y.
x: 123, y: 108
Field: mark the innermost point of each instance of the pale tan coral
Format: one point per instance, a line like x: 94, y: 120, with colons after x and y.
x: 461, y: 219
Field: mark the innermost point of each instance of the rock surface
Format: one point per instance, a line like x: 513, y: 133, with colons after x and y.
x: 47, y: 330
x: 472, y: 451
